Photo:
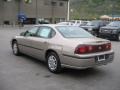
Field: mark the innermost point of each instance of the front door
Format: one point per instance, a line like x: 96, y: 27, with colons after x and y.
x: 25, y: 42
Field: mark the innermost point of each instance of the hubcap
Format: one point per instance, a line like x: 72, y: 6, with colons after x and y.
x: 52, y: 62
x: 15, y: 48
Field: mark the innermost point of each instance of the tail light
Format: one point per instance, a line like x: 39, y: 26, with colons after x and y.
x: 108, y: 46
x: 86, y: 49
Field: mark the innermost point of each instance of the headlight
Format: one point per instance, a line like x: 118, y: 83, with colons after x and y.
x: 114, y: 31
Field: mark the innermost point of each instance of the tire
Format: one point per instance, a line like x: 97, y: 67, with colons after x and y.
x: 53, y: 63
x: 15, y: 48
x: 118, y: 37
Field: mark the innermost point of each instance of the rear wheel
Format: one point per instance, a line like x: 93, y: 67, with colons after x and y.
x: 53, y: 62
x: 15, y: 48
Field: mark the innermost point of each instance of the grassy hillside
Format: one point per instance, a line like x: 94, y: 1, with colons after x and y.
x: 90, y: 9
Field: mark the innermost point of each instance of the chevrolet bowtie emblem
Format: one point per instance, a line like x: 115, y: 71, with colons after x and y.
x: 99, y: 48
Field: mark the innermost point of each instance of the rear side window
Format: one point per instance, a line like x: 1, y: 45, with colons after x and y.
x: 114, y: 24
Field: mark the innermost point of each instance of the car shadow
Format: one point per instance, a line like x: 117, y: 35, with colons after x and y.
x: 83, y: 73
x: 67, y: 72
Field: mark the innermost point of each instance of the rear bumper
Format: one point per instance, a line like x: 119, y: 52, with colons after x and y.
x: 86, y: 62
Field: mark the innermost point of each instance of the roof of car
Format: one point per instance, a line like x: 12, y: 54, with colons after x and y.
x: 51, y: 25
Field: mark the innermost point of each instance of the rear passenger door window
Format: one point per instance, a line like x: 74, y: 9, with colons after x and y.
x: 45, y: 32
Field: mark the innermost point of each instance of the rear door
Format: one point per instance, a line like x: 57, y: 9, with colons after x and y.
x: 41, y: 41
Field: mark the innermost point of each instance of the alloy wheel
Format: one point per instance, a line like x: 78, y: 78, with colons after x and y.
x: 52, y: 62
x: 15, y: 48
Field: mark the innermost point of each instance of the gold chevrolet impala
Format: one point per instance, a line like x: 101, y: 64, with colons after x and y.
x: 63, y: 46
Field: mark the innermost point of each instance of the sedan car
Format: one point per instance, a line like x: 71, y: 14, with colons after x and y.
x: 63, y: 46
x: 94, y: 26
x: 112, y: 30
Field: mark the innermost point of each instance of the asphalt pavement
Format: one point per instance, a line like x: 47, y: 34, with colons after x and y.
x: 26, y: 73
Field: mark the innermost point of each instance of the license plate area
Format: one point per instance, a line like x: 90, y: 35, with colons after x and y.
x: 101, y: 58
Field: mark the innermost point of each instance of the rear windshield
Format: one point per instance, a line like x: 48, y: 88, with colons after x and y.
x: 73, y: 32
x: 114, y: 24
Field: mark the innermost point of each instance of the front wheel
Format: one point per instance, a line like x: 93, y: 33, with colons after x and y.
x: 15, y: 48
x: 53, y: 62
